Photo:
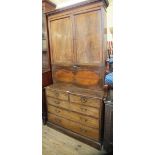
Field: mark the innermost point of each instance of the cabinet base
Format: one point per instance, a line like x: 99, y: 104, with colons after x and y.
x: 83, y: 139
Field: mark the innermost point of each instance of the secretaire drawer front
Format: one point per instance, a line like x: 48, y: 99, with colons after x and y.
x: 90, y: 111
x: 57, y: 103
x: 85, y: 120
x: 94, y: 102
x: 85, y: 131
x: 58, y: 120
x: 57, y: 94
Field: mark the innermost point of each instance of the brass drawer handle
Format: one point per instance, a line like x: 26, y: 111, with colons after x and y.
x: 83, y: 109
x: 56, y: 94
x: 57, y: 120
x: 58, y: 111
x: 83, y: 99
x: 83, y: 119
x: 56, y: 102
x: 83, y: 130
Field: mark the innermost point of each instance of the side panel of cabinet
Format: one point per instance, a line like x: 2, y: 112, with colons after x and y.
x: 88, y: 38
x: 45, y: 50
x: 61, y: 40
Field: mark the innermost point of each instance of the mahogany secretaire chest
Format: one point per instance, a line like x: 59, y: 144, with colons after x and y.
x: 77, y: 39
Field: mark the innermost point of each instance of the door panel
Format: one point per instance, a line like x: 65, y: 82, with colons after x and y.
x: 88, y: 39
x: 61, y: 41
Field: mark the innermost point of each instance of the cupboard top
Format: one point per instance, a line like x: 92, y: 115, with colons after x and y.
x: 104, y: 3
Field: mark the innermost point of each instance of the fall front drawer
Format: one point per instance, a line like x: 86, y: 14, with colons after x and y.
x: 82, y: 119
x: 75, y: 127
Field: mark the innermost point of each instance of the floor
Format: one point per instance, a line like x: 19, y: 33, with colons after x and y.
x: 56, y: 143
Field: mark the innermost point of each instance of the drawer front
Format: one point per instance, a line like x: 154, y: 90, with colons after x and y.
x: 94, y: 102
x: 57, y: 103
x: 57, y: 94
x: 85, y: 131
x: 58, y: 120
x: 84, y: 110
x: 75, y: 127
x: 85, y: 120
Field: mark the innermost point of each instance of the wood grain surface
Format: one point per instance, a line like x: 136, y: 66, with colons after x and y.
x: 88, y: 111
x: 76, y: 117
x: 61, y: 41
x: 85, y: 100
x: 64, y: 76
x: 57, y: 103
x: 57, y: 94
x: 88, y: 45
x: 76, y: 127
x: 86, y: 78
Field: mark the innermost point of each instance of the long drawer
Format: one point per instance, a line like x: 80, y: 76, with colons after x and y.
x: 85, y: 120
x: 82, y: 109
x: 94, y: 102
x: 75, y: 127
x: 89, y: 111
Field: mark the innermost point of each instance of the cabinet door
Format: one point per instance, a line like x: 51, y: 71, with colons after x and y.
x: 61, y: 42
x: 88, y: 38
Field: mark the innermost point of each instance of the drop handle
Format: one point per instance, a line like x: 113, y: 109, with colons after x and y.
x: 83, y: 119
x: 56, y: 102
x: 58, y: 111
x: 83, y: 109
x: 56, y: 94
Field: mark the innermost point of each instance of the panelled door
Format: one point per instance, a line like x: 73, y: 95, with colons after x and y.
x: 77, y: 39
x: 88, y: 38
x: 61, y: 40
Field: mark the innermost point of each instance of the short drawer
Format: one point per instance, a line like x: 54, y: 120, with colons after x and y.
x: 57, y: 94
x: 94, y: 102
x: 82, y: 119
x: 90, y: 111
x: 57, y: 103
